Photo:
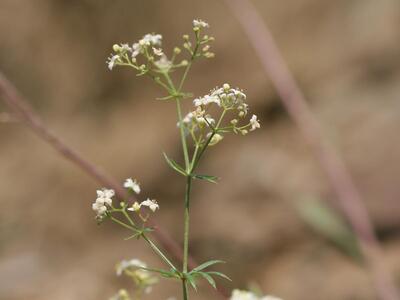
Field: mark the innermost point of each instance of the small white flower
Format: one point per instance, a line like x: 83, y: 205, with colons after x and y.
x: 152, y: 204
x: 103, y: 200
x: 136, y: 48
x: 104, y: 196
x: 246, y: 295
x: 200, y: 24
x: 243, y: 295
x: 254, y: 123
x: 163, y: 63
x: 158, y: 52
x: 207, y: 99
x: 270, y: 298
x: 125, y: 48
x: 112, y: 61
x: 100, y: 209
x: 135, y: 206
x: 126, y: 264
x: 152, y: 39
x: 133, y: 185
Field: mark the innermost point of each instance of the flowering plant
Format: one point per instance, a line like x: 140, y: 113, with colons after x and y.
x: 223, y: 110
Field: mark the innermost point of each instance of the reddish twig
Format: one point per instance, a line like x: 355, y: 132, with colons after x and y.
x: 27, y: 116
x: 348, y: 197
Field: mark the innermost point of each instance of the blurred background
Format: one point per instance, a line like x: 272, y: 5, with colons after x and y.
x: 271, y: 216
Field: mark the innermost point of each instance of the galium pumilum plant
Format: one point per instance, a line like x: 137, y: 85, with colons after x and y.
x: 222, y: 111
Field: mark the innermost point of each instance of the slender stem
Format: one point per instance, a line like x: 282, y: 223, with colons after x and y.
x: 158, y: 251
x: 184, y: 289
x: 186, y: 217
x: 184, y: 144
x: 122, y: 223
x: 186, y: 223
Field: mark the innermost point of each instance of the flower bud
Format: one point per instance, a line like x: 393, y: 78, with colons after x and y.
x: 241, y: 114
x: 244, y: 132
x: 234, y: 121
x: 226, y: 87
x: 209, y: 55
x: 206, y: 48
x: 185, y: 37
x: 116, y: 48
x: 216, y: 139
x: 177, y: 50
x: 184, y: 63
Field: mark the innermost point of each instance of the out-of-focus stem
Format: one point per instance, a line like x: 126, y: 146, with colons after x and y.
x: 348, y: 197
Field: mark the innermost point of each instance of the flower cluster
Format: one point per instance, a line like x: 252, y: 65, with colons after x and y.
x: 147, y: 56
x: 121, y: 295
x: 103, y: 202
x: 201, y: 125
x: 246, y: 295
x: 136, y: 270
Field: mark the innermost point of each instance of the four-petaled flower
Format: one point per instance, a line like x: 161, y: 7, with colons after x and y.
x: 112, y: 61
x: 200, y: 24
x: 152, y: 204
x: 254, y: 123
x: 132, y: 184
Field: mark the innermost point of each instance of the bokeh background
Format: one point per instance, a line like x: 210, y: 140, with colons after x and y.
x: 271, y: 216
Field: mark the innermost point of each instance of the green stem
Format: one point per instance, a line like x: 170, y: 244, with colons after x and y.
x: 184, y: 289
x: 158, y: 251
x: 182, y: 133
x: 122, y: 223
x: 186, y: 218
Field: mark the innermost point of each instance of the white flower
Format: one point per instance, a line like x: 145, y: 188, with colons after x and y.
x: 133, y: 185
x: 100, y: 209
x: 104, y: 196
x: 152, y: 204
x: 126, y: 264
x: 254, y: 123
x: 103, y: 200
x: 243, y: 295
x: 135, y: 206
x: 246, y: 295
x: 136, y: 48
x: 152, y: 39
x: 207, y: 99
x: 158, y: 52
x: 200, y: 24
x: 112, y: 60
x: 163, y: 63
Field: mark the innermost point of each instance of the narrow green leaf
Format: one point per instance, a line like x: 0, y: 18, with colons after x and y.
x: 136, y: 235
x: 206, y: 264
x: 208, y: 278
x: 209, y: 178
x: 191, y: 280
x: 219, y: 274
x: 164, y: 273
x: 165, y: 98
x: 174, y: 165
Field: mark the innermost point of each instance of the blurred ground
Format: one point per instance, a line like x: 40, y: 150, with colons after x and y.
x: 345, y: 55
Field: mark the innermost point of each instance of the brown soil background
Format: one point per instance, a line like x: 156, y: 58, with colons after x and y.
x: 344, y: 53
